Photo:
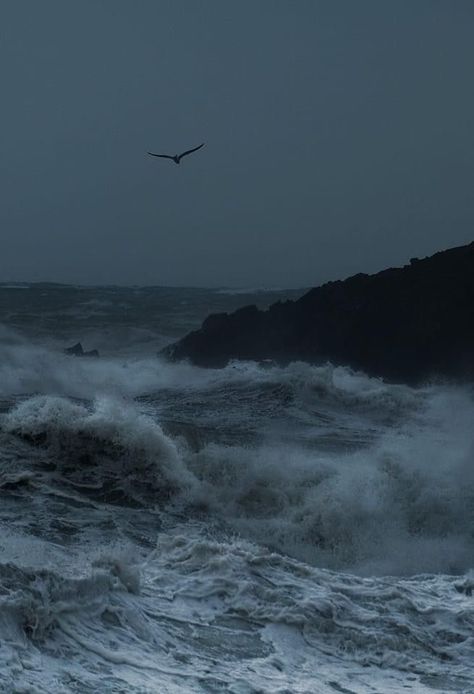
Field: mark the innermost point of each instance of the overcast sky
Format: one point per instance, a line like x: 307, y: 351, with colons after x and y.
x: 339, y: 138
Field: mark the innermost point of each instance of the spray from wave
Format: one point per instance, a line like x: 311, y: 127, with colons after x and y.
x: 402, y: 505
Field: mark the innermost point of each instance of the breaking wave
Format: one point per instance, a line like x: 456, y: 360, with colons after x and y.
x: 111, y: 447
x: 402, y: 503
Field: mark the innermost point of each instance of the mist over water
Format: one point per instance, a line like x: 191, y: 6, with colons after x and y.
x: 243, y: 529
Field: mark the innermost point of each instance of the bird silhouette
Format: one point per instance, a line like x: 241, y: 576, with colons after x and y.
x: 177, y: 157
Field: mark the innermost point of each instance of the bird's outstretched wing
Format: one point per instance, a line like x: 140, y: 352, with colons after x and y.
x: 163, y: 156
x: 190, y: 151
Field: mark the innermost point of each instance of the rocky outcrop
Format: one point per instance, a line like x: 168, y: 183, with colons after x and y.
x: 404, y: 324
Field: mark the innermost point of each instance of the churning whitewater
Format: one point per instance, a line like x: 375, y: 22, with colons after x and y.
x: 251, y: 529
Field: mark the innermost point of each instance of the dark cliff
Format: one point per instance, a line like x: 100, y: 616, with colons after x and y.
x: 404, y: 324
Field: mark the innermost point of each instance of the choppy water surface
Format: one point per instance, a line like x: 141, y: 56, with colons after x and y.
x: 166, y: 528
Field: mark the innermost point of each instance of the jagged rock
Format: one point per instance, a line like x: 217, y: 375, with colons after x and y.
x: 404, y: 324
x: 77, y: 351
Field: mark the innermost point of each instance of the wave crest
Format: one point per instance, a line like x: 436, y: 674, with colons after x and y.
x: 110, y: 447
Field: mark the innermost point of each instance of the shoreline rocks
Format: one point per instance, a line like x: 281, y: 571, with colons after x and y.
x: 404, y: 324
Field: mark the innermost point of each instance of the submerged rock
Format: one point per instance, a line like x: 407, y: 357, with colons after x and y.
x: 403, y: 324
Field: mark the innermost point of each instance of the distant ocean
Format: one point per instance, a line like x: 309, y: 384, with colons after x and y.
x: 165, y: 528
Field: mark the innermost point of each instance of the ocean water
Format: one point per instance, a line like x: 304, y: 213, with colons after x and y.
x: 165, y: 528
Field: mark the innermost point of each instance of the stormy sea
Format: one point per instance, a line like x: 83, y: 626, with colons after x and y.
x: 251, y: 529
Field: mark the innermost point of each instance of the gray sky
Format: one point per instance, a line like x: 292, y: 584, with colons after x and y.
x: 339, y: 138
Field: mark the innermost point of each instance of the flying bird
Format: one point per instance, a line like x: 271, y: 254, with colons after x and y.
x: 177, y: 157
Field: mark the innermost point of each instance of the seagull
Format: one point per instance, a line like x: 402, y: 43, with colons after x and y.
x: 177, y: 157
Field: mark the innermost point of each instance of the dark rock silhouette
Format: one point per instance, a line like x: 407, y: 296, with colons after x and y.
x: 403, y: 324
x: 77, y: 351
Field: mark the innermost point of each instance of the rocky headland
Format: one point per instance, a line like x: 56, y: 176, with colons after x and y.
x: 404, y: 324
